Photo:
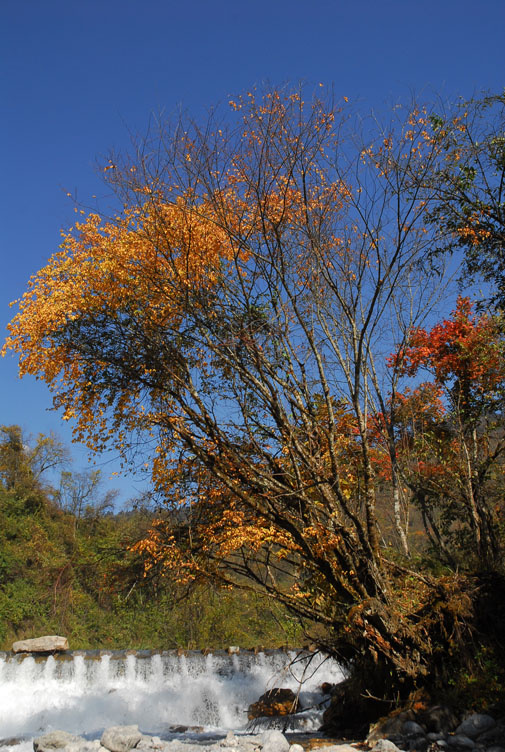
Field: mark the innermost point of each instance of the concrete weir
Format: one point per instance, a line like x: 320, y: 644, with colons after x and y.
x: 83, y: 692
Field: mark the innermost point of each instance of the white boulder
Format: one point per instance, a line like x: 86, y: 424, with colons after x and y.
x: 274, y: 741
x: 46, y: 644
x: 55, y: 740
x: 121, y: 738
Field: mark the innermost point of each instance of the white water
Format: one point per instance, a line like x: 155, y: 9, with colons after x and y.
x: 84, y: 693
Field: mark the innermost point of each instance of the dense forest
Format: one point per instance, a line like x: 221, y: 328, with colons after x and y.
x: 66, y: 568
x: 280, y: 318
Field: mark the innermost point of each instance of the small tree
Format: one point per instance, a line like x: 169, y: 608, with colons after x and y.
x: 463, y: 448
x: 23, y: 463
x: 80, y: 494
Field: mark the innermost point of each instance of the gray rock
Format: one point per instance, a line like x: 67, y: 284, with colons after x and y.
x: 242, y: 743
x: 411, y: 728
x: 495, y: 735
x: 384, y: 745
x: 496, y: 749
x: 46, y: 644
x: 389, y: 727
x: 55, y: 740
x: 84, y: 746
x: 439, y: 718
x: 121, y: 738
x: 397, y: 739
x: 296, y: 748
x: 230, y: 740
x: 150, y: 743
x: 475, y: 724
x: 274, y: 741
x: 418, y: 744
x: 460, y: 741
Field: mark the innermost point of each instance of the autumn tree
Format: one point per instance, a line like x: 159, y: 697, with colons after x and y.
x: 459, y: 450
x: 232, y: 323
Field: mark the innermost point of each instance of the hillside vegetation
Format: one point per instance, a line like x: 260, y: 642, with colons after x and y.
x: 69, y: 572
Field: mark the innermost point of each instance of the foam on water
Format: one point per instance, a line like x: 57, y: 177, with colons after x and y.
x: 85, y: 693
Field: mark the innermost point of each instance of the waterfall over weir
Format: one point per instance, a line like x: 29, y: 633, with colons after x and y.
x: 85, y: 692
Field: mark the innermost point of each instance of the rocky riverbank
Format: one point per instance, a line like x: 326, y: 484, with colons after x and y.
x: 127, y: 738
x: 437, y: 730
x: 476, y: 733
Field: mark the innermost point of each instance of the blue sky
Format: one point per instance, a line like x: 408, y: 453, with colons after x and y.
x: 79, y: 77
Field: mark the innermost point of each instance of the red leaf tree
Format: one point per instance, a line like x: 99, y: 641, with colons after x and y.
x: 458, y: 459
